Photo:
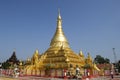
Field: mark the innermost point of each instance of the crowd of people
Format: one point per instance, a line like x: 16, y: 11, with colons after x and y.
x: 11, y: 72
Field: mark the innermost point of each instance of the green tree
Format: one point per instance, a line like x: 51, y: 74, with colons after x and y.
x: 5, y: 65
x: 101, y: 60
x: 107, y: 60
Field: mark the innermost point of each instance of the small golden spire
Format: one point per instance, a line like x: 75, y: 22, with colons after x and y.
x: 36, y: 51
x: 28, y: 59
x: 89, y: 57
x: 81, y: 53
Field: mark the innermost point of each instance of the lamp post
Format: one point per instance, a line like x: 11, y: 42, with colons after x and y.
x: 115, y: 58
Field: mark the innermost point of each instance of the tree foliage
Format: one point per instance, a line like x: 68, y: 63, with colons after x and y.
x: 6, y: 65
x: 101, y: 60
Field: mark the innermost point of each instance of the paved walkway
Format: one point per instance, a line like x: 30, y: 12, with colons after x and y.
x: 41, y: 78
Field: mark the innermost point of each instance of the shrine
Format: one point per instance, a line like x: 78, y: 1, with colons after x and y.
x: 59, y: 59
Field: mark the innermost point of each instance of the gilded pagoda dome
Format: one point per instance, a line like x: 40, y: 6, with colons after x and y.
x: 59, y: 38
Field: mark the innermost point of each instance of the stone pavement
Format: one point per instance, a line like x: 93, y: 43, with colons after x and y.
x: 7, y: 78
x: 42, y: 78
x: 105, y: 78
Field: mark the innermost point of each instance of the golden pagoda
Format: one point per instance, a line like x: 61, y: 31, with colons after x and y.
x: 58, y: 59
x: 59, y: 55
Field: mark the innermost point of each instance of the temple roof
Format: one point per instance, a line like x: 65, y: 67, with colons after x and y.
x: 59, y: 38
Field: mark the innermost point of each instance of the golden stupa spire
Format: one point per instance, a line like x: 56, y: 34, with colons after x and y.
x: 89, y: 57
x: 81, y: 53
x: 36, y: 51
x: 59, y: 17
x: 59, y: 38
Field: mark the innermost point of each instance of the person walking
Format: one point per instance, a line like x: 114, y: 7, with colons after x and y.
x: 111, y: 73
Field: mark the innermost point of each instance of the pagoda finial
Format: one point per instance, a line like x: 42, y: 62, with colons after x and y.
x: 59, y: 20
x: 59, y: 17
x: 14, y: 50
x: 59, y: 38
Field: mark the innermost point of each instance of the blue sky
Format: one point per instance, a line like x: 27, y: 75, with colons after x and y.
x: 90, y: 25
